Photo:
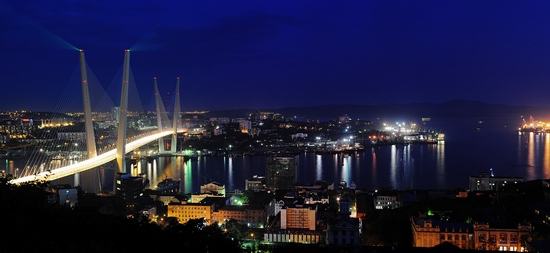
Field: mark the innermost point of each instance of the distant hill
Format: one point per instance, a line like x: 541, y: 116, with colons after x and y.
x: 453, y: 108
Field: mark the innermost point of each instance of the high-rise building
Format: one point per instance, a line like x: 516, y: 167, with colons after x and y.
x: 281, y: 172
x: 130, y: 189
x: 115, y: 112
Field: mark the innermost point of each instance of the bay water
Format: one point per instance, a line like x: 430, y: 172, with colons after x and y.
x: 471, y: 145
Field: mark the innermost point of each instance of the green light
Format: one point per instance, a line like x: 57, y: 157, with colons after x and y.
x: 187, y: 176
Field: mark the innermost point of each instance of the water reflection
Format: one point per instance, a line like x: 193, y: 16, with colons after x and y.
x: 394, y: 166
x: 346, y: 170
x: 230, y: 171
x: 335, y: 175
x: 373, y: 165
x: 138, y: 169
x: 318, y: 167
x: 531, y: 157
x: 151, y: 166
x: 440, y: 158
x: 445, y: 165
x: 187, y: 185
x: 546, y: 154
x: 408, y: 168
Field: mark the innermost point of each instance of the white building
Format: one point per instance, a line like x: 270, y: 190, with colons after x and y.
x: 213, y: 188
x: 244, y: 125
x: 304, y: 236
x: 383, y: 201
x: 275, y: 207
x: 316, y: 199
x: 488, y: 182
x: 255, y: 184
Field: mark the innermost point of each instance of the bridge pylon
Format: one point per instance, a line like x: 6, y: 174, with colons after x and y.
x: 94, y: 160
x: 160, y: 123
x: 158, y: 103
x: 90, y: 139
x: 123, y: 116
x: 176, y: 118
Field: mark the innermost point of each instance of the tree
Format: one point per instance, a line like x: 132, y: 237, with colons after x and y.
x: 236, y: 230
x: 31, y: 224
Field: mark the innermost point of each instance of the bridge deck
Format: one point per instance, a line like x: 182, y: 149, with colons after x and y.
x: 89, y: 163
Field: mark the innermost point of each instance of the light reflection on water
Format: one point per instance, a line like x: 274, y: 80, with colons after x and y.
x: 393, y: 165
x: 318, y: 167
x: 531, y: 156
x: 465, y: 152
x: 187, y: 184
x: 346, y: 170
x: 546, y: 153
x: 230, y: 172
x: 440, y: 162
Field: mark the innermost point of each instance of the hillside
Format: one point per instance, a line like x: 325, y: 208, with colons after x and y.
x: 453, y: 108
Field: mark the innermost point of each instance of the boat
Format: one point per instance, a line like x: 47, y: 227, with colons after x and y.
x: 168, y: 185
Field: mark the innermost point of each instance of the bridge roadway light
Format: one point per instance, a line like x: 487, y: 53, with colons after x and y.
x: 88, y: 163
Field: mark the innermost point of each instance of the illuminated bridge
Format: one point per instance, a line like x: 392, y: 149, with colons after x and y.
x: 43, y: 167
x: 90, y: 163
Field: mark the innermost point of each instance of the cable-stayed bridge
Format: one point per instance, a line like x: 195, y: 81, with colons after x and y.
x: 44, y: 166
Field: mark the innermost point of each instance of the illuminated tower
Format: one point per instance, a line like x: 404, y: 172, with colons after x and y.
x: 90, y: 139
x: 158, y: 103
x: 122, y: 117
x: 176, y: 118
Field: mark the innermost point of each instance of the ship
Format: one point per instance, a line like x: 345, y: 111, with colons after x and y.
x: 168, y: 185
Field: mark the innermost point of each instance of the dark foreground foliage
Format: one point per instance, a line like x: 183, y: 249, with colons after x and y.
x: 30, y: 224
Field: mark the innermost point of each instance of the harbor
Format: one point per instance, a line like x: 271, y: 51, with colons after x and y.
x: 534, y: 126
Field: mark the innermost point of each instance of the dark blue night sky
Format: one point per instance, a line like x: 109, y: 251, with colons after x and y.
x: 273, y: 54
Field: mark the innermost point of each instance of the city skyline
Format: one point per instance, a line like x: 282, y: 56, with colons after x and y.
x: 250, y: 54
